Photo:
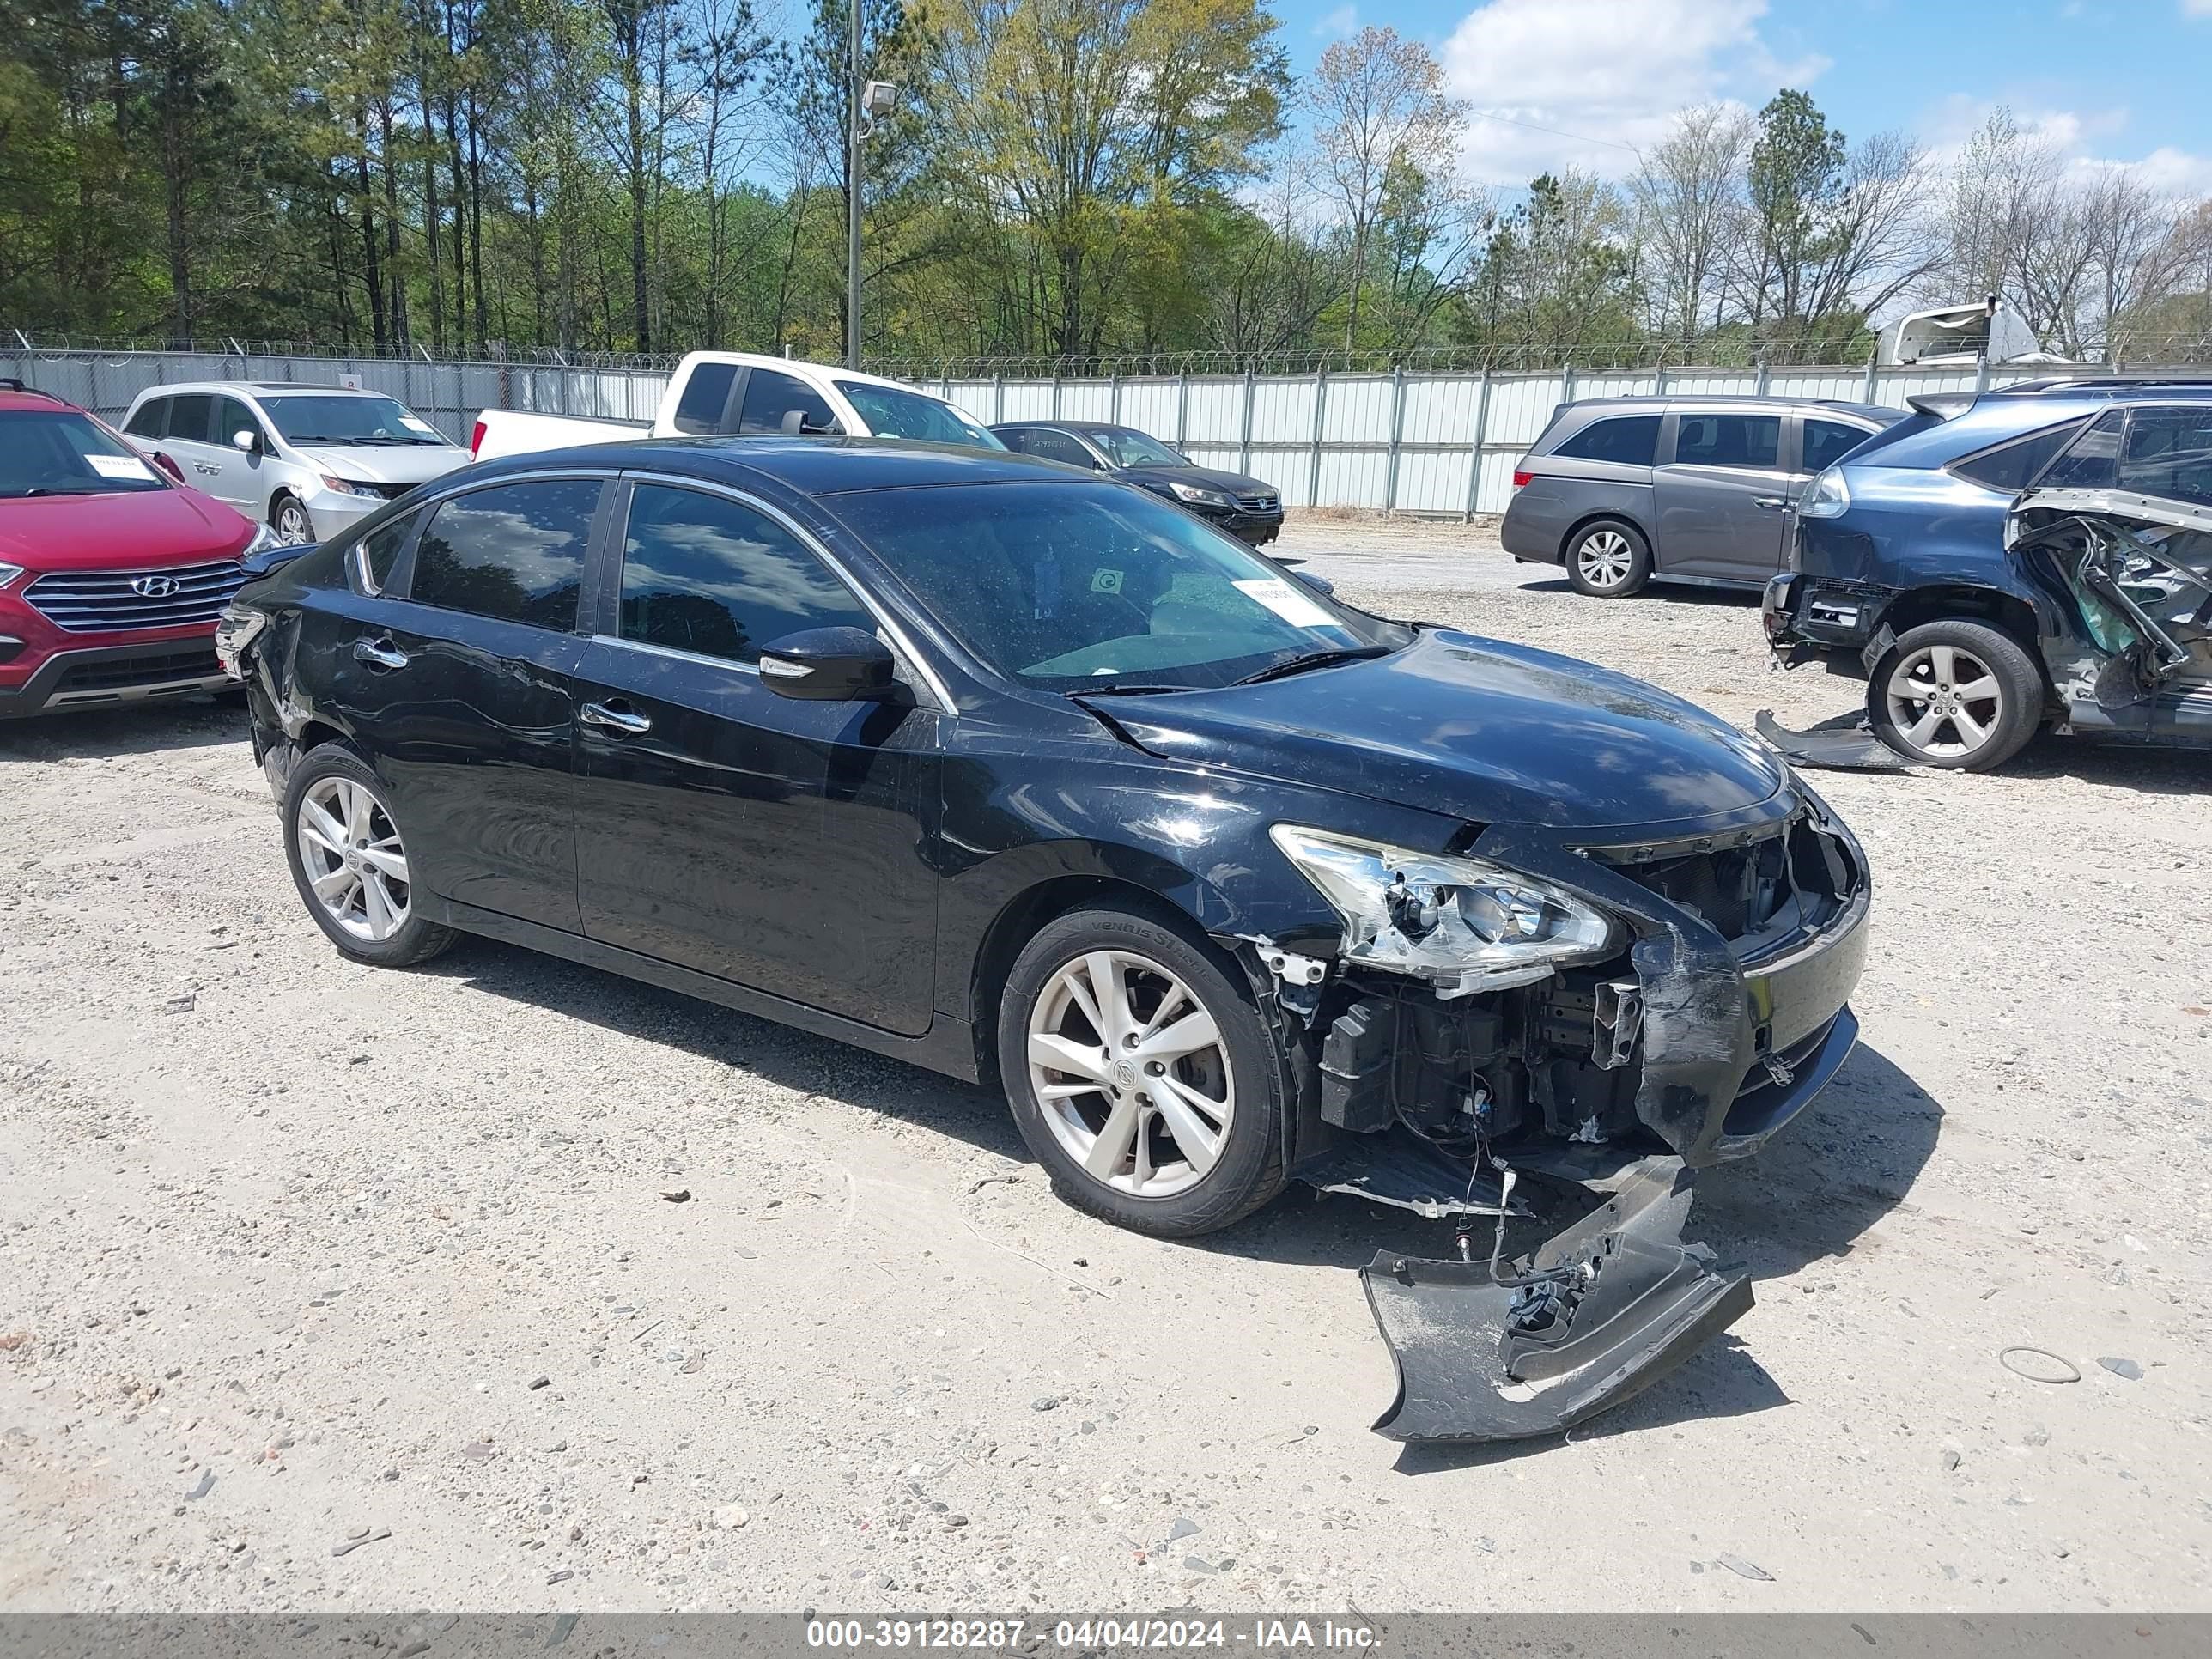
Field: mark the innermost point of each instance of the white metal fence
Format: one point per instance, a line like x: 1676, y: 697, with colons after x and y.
x: 1433, y: 444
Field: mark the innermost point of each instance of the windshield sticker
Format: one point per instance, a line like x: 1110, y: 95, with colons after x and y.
x: 1105, y: 581
x: 416, y: 423
x: 1286, y: 602
x: 118, y: 466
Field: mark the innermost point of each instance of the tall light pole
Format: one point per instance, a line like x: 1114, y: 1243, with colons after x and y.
x: 871, y: 101
x: 853, y: 191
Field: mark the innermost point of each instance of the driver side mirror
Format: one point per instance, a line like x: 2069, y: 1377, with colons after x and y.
x: 828, y: 664
x: 245, y: 441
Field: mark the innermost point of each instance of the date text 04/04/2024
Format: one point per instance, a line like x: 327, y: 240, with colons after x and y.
x: 989, y: 1634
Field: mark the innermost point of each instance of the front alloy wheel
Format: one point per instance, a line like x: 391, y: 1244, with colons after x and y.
x: 1131, y: 1071
x: 291, y: 523
x: 1141, y: 1073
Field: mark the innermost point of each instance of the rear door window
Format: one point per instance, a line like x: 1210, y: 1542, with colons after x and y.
x: 708, y: 575
x: 148, y: 421
x: 1751, y: 440
x: 2013, y: 465
x: 514, y: 552
x: 2169, y: 452
x: 706, y: 394
x: 773, y: 400
x: 1827, y: 442
x: 1624, y: 439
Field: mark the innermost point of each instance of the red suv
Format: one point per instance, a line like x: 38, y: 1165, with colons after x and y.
x: 111, y: 574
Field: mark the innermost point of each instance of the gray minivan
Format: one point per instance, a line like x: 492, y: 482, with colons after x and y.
x: 1624, y: 490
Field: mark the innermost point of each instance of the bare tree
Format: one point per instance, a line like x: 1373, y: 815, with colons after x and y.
x: 1377, y: 101
x: 1685, y: 202
x: 1875, y: 242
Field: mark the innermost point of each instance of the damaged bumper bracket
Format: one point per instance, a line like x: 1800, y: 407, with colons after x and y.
x: 1480, y: 1361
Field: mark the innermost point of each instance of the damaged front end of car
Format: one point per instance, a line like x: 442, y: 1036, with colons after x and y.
x: 1596, y: 1020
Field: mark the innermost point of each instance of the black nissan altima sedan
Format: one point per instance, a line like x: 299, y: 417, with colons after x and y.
x: 1035, y: 780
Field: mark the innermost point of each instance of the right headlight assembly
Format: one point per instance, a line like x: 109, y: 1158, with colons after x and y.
x: 1461, y: 923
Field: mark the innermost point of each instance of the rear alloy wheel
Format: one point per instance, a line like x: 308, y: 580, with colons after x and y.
x: 351, y: 864
x: 290, y: 521
x: 1957, y: 693
x: 1608, y: 560
x: 1140, y: 1076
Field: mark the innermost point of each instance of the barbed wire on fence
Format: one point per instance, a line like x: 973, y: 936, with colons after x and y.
x: 1639, y: 356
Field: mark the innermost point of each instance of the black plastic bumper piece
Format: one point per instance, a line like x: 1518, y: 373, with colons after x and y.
x: 1620, y: 1302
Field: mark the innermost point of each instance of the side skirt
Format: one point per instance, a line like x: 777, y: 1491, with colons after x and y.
x: 948, y: 1046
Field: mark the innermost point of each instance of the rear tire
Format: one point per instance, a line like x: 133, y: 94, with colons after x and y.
x: 1608, y: 559
x: 1141, y: 1075
x: 1956, y: 694
x: 350, y: 863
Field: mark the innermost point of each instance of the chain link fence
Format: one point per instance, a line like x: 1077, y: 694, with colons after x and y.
x: 1433, y: 434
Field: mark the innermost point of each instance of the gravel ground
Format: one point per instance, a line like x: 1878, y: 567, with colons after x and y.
x: 326, y: 1288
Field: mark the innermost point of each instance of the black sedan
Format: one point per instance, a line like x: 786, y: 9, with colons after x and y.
x: 1244, y: 506
x: 1034, y: 779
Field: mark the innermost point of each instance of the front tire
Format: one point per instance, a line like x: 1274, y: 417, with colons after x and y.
x: 1956, y: 694
x: 1141, y: 1075
x: 350, y: 863
x: 1608, y: 559
x: 289, y: 519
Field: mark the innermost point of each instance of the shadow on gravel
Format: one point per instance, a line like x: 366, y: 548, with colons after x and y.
x: 761, y: 1048
x: 187, y: 723
x: 1846, y: 1163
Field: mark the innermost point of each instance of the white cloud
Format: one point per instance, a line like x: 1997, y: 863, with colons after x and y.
x: 1342, y: 23
x: 2197, y: 8
x: 2085, y: 139
x: 1612, y: 72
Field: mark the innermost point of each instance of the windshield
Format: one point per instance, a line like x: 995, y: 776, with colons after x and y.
x: 367, y: 419
x: 1125, y: 448
x: 893, y: 412
x: 66, y: 453
x: 1068, y: 585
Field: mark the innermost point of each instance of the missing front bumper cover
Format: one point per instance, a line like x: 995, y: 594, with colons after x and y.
x: 1480, y: 1361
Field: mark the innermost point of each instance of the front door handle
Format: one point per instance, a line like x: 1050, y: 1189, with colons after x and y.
x: 379, y: 653
x: 616, y: 717
x: 1770, y: 503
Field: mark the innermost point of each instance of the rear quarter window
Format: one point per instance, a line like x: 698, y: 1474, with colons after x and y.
x: 2013, y: 465
x: 1624, y: 439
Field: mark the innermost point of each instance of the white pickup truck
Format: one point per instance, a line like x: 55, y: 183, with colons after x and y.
x: 720, y: 392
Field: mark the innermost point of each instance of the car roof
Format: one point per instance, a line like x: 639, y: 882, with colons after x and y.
x: 808, y: 467
x: 1658, y: 402
x: 16, y: 394
x: 252, y: 387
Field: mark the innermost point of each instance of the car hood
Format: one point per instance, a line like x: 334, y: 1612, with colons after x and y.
x: 385, y: 464
x: 132, y: 530
x: 1473, y: 729
x: 1236, y: 484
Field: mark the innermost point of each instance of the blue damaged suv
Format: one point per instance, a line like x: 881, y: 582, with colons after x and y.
x: 1897, y: 565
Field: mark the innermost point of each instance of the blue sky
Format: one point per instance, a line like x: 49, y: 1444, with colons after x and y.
x: 2107, y: 80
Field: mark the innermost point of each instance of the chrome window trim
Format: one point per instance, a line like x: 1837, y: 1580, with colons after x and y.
x: 670, y: 651
x: 922, y: 669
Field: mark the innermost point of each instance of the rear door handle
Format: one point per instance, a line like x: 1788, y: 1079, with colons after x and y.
x: 616, y: 717
x: 1770, y: 503
x: 379, y: 653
